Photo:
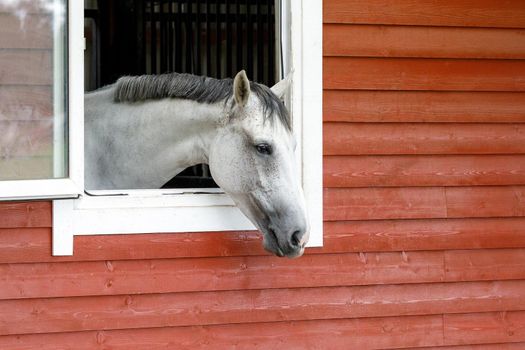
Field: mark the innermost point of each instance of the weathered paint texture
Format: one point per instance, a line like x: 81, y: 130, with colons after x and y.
x: 424, y: 143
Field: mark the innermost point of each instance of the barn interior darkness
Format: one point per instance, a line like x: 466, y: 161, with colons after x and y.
x: 215, y: 38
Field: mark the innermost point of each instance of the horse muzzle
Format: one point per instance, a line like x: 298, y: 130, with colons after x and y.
x: 285, y: 231
x: 289, y: 245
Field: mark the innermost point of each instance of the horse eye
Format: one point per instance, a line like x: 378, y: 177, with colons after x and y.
x: 264, y: 148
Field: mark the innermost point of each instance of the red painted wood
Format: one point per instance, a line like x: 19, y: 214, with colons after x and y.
x: 485, y: 264
x: 28, y: 316
x: 423, y: 202
x: 25, y: 245
x: 426, y: 42
x: 384, y: 203
x: 459, y: 200
x: 186, y: 275
x: 438, y: 234
x: 504, y: 201
x: 423, y: 106
x: 484, y: 327
x: 499, y: 346
x: 26, y: 67
x: 463, y: 13
x: 386, y: 171
x: 34, y: 245
x: 25, y: 214
x: 220, y: 290
x: 212, y: 274
x: 367, y: 333
x: 344, y: 73
x: 422, y: 138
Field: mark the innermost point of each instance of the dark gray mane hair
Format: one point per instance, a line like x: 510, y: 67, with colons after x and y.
x: 196, y: 88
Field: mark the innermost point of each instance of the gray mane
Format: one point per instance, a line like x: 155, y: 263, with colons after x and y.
x: 196, y: 88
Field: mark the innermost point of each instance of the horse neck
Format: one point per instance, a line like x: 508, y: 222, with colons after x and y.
x: 190, y: 127
x: 164, y: 138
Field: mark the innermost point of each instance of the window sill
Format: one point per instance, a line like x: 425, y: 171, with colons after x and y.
x: 147, y: 211
x: 38, y: 189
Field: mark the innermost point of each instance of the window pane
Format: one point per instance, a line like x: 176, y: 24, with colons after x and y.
x: 33, y: 51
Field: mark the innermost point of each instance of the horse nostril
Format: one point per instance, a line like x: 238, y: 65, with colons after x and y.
x: 296, y: 238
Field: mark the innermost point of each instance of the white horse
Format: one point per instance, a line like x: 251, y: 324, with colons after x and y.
x: 141, y: 131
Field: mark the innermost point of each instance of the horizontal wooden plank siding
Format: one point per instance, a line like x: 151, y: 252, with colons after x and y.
x: 353, y: 73
x: 421, y: 138
x: 426, y: 42
x: 384, y: 203
x: 478, y: 328
x: 207, y: 308
x: 485, y: 264
x: 423, y: 202
x: 423, y: 106
x: 48, y: 280
x: 504, y: 201
x: 423, y: 111
x: 434, y: 234
x: 458, y: 13
x: 45, y: 280
x: 497, y: 346
x: 25, y: 214
x: 365, y: 333
x: 424, y: 208
x: 33, y: 245
x: 386, y: 171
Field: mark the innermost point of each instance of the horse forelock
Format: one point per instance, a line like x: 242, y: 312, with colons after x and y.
x: 197, y: 88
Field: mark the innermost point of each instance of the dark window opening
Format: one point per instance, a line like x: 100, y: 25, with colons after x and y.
x: 216, y: 38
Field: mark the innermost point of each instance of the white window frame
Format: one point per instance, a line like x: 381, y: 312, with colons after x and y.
x: 190, y: 210
x: 71, y: 186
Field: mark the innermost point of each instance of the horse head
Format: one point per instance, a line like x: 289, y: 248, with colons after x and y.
x: 252, y: 159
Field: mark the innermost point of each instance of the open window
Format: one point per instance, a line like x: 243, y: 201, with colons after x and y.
x: 211, y: 38
x: 289, y: 31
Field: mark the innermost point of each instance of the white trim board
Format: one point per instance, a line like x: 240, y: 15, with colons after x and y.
x: 143, y: 214
x: 178, y: 211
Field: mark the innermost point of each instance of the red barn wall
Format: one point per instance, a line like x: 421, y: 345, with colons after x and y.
x: 424, y: 171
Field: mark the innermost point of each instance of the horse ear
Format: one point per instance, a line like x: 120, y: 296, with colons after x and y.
x: 282, y: 87
x: 241, y: 88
